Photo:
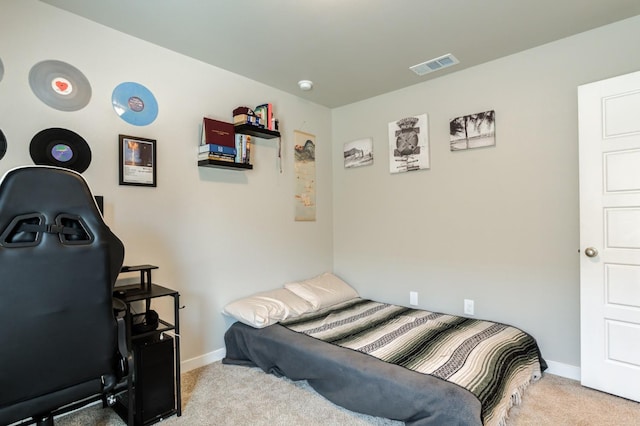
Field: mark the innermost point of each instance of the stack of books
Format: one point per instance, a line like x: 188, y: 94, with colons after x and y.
x: 212, y: 151
x: 261, y: 116
x: 219, y: 142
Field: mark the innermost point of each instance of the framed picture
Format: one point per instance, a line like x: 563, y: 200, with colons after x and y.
x: 137, y: 161
x: 409, y: 144
x: 473, y: 131
x: 358, y: 153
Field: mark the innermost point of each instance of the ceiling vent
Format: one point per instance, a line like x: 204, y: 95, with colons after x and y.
x: 435, y: 64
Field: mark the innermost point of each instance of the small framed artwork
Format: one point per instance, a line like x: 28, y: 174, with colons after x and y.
x: 409, y: 144
x: 473, y: 131
x: 358, y: 153
x: 137, y: 161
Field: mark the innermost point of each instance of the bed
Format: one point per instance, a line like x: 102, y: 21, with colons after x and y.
x: 385, y: 360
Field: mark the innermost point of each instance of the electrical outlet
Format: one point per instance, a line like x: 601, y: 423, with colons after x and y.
x: 413, y: 298
x: 468, y: 306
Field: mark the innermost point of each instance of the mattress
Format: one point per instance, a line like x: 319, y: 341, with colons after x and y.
x: 412, y: 365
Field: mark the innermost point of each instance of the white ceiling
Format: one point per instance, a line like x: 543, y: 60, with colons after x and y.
x: 350, y: 49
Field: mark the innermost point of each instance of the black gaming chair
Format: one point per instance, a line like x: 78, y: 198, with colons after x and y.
x: 59, y: 346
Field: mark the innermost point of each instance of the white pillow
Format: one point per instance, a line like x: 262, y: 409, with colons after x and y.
x: 323, y: 291
x: 266, y: 308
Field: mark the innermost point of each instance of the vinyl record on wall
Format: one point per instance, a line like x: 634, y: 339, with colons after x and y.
x: 134, y: 103
x: 3, y: 145
x: 60, y: 85
x: 62, y: 148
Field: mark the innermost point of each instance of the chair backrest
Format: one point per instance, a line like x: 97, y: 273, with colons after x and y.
x: 58, y: 265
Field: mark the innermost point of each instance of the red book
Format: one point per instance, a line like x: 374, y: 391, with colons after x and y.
x: 270, y: 116
x: 218, y: 133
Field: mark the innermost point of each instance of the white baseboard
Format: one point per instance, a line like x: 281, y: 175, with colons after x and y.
x: 563, y: 370
x: 202, y: 360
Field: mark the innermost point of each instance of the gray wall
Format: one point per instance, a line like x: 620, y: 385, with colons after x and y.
x: 497, y: 225
x: 216, y: 235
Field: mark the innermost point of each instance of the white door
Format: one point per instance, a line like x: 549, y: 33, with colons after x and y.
x: 609, y: 131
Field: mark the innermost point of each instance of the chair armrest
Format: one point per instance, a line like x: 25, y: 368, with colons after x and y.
x: 125, y: 360
x: 126, y: 356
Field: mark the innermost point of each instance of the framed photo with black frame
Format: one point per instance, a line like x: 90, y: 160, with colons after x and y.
x: 137, y: 161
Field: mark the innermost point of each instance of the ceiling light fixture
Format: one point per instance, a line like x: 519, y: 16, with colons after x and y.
x: 305, y: 85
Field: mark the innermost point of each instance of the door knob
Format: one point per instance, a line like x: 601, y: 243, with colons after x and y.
x: 591, y: 252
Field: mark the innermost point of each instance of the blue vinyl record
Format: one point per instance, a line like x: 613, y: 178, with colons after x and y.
x: 134, y: 103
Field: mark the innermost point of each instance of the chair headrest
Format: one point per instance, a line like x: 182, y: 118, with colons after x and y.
x: 41, y: 199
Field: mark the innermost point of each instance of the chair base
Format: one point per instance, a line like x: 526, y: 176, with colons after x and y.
x: 46, y: 420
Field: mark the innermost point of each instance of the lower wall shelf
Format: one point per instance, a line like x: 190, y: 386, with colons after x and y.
x: 224, y: 165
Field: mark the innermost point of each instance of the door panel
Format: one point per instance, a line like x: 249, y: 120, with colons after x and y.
x: 621, y: 285
x: 622, y: 228
x: 615, y: 109
x: 620, y: 338
x: 622, y: 171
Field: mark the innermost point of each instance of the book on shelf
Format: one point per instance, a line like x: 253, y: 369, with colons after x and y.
x: 247, y: 150
x: 238, y: 148
x: 241, y: 119
x: 265, y: 112
x: 217, y: 149
x: 217, y: 132
x: 217, y: 157
x: 243, y: 148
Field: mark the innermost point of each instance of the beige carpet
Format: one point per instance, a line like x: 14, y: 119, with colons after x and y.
x: 228, y: 395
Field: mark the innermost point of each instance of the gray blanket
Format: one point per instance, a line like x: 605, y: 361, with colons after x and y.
x: 354, y: 380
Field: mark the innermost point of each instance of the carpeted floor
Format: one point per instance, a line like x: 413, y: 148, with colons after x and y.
x: 220, y: 394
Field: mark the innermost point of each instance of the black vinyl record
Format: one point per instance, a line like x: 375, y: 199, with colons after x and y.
x: 61, y: 148
x: 3, y: 144
x: 60, y: 85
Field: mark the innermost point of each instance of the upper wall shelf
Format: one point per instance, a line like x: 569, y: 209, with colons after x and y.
x: 258, y: 132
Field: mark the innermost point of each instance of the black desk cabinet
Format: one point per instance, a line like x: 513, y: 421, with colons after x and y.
x: 156, y: 385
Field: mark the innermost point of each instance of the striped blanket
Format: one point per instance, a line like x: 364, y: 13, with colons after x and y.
x: 495, y: 362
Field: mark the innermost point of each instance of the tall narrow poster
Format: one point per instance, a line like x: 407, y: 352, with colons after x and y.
x: 305, y: 174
